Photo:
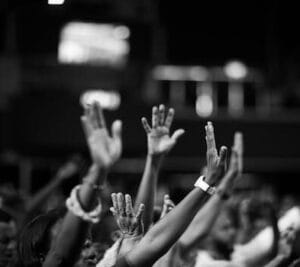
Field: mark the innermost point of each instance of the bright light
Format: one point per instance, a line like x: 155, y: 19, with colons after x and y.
x: 72, y: 52
x: 55, y: 2
x: 204, y: 105
x: 94, y: 43
x: 235, y: 70
x: 121, y: 32
x: 204, y: 102
x: 110, y: 100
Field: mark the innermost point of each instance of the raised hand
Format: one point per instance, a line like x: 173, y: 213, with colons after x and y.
x: 167, y: 206
x: 129, y: 222
x: 216, y: 162
x: 105, y: 150
x: 236, y: 164
x: 159, y: 139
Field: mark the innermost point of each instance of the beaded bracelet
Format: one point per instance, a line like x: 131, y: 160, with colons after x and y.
x: 74, y: 206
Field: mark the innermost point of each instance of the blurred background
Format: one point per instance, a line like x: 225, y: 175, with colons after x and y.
x: 233, y: 62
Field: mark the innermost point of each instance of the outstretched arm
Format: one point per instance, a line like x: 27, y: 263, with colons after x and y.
x: 159, y: 144
x: 164, y: 234
x: 66, y: 171
x: 203, y: 221
x: 104, y: 150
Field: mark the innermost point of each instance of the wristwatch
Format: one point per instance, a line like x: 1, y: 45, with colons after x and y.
x: 205, y: 186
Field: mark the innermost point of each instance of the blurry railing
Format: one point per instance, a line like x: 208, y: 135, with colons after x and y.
x: 232, y: 90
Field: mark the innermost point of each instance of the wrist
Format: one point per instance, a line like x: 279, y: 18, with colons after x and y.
x: 96, y: 174
x: 204, y: 186
x: 155, y: 159
x: 156, y: 154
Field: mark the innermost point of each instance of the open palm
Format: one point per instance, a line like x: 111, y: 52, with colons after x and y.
x: 159, y: 139
x: 105, y: 150
x: 129, y: 222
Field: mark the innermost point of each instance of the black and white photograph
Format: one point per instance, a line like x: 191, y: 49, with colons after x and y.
x: 149, y: 133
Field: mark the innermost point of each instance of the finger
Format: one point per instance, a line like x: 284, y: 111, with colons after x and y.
x: 170, y: 204
x: 170, y: 118
x: 154, y: 117
x: 238, y: 142
x: 177, y: 134
x: 90, y: 115
x: 99, y: 115
x: 121, y: 204
x: 146, y: 125
x: 210, y: 137
x: 223, y: 156
x: 115, y: 202
x: 166, y: 198
x: 87, y: 110
x: 161, y: 115
x: 239, y: 147
x: 113, y: 211
x: 140, y: 212
x: 116, y: 130
x: 129, y: 208
x: 233, y: 160
x: 87, y: 127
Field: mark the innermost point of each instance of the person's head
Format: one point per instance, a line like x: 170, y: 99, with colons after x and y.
x: 35, y: 239
x: 91, y: 254
x: 8, y: 232
x: 224, y: 231
x: 10, y: 197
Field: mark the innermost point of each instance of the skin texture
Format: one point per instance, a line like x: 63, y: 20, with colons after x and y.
x: 159, y: 143
x: 105, y: 150
x: 158, y: 240
x: 203, y: 222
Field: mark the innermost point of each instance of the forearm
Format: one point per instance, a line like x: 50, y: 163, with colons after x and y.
x: 87, y: 193
x: 165, y: 233
x: 205, y: 218
x: 38, y: 199
x: 202, y: 223
x: 147, y: 188
x: 73, y: 230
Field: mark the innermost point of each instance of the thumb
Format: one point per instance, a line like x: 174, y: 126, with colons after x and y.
x: 140, y: 212
x: 116, y: 129
x: 177, y: 134
x: 233, y: 165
